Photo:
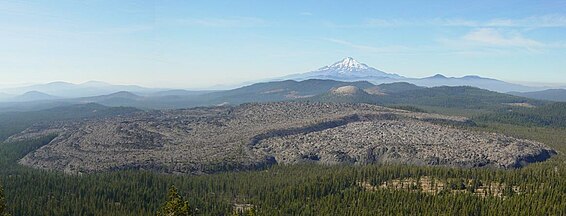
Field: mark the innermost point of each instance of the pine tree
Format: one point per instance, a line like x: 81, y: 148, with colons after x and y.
x: 3, y: 210
x: 175, y: 205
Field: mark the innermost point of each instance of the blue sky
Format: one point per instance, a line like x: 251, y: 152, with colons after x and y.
x: 196, y: 44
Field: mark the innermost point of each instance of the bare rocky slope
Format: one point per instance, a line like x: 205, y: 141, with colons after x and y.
x: 209, y: 139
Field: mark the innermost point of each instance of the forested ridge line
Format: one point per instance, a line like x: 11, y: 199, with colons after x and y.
x: 287, y: 190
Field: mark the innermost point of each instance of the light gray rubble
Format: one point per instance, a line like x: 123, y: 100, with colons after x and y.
x: 203, y: 140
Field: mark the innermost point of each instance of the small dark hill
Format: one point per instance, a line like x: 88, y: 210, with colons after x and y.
x: 558, y: 95
x: 14, y: 122
x: 34, y: 96
x: 178, y: 92
x: 120, y: 94
x: 122, y: 98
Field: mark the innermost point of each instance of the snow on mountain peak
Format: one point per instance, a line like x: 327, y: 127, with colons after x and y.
x: 349, y: 64
x: 345, y: 69
x: 349, y: 61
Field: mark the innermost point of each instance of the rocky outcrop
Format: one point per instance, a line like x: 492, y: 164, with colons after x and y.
x: 404, y: 141
x: 251, y: 136
x: 347, y: 90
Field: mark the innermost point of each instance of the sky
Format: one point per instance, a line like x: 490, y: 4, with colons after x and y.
x: 201, y: 44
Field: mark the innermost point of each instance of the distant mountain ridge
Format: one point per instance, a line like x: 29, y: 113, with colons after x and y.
x: 549, y: 94
x: 395, y: 94
x: 71, y: 90
x: 350, y: 69
x: 347, y: 72
x: 34, y: 96
x: 471, y: 80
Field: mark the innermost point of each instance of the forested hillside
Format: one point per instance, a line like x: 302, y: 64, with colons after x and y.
x: 245, y: 108
x: 292, y: 190
x: 538, y: 189
x: 446, y: 99
x: 2, y: 202
x: 14, y: 122
x: 550, y: 115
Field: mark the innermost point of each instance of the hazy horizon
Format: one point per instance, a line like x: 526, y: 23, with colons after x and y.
x: 202, y: 44
x: 224, y: 86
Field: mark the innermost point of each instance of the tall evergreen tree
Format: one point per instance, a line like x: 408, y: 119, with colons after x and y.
x: 3, y: 210
x: 175, y: 205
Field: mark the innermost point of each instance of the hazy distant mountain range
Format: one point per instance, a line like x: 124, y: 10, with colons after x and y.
x: 33, y: 96
x: 347, y: 72
x: 70, y: 90
x: 312, y: 90
x: 549, y: 94
x: 351, y: 70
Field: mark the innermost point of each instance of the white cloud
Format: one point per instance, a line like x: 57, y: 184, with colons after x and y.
x: 497, y: 41
x: 222, y: 22
x: 552, y: 20
x: 453, y: 22
x: 387, y: 23
x: 374, y: 49
x: 489, y: 36
x: 542, y: 21
x: 352, y: 45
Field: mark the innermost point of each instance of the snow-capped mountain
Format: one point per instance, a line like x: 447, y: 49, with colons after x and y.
x: 346, y: 70
x: 346, y: 66
x: 351, y: 70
